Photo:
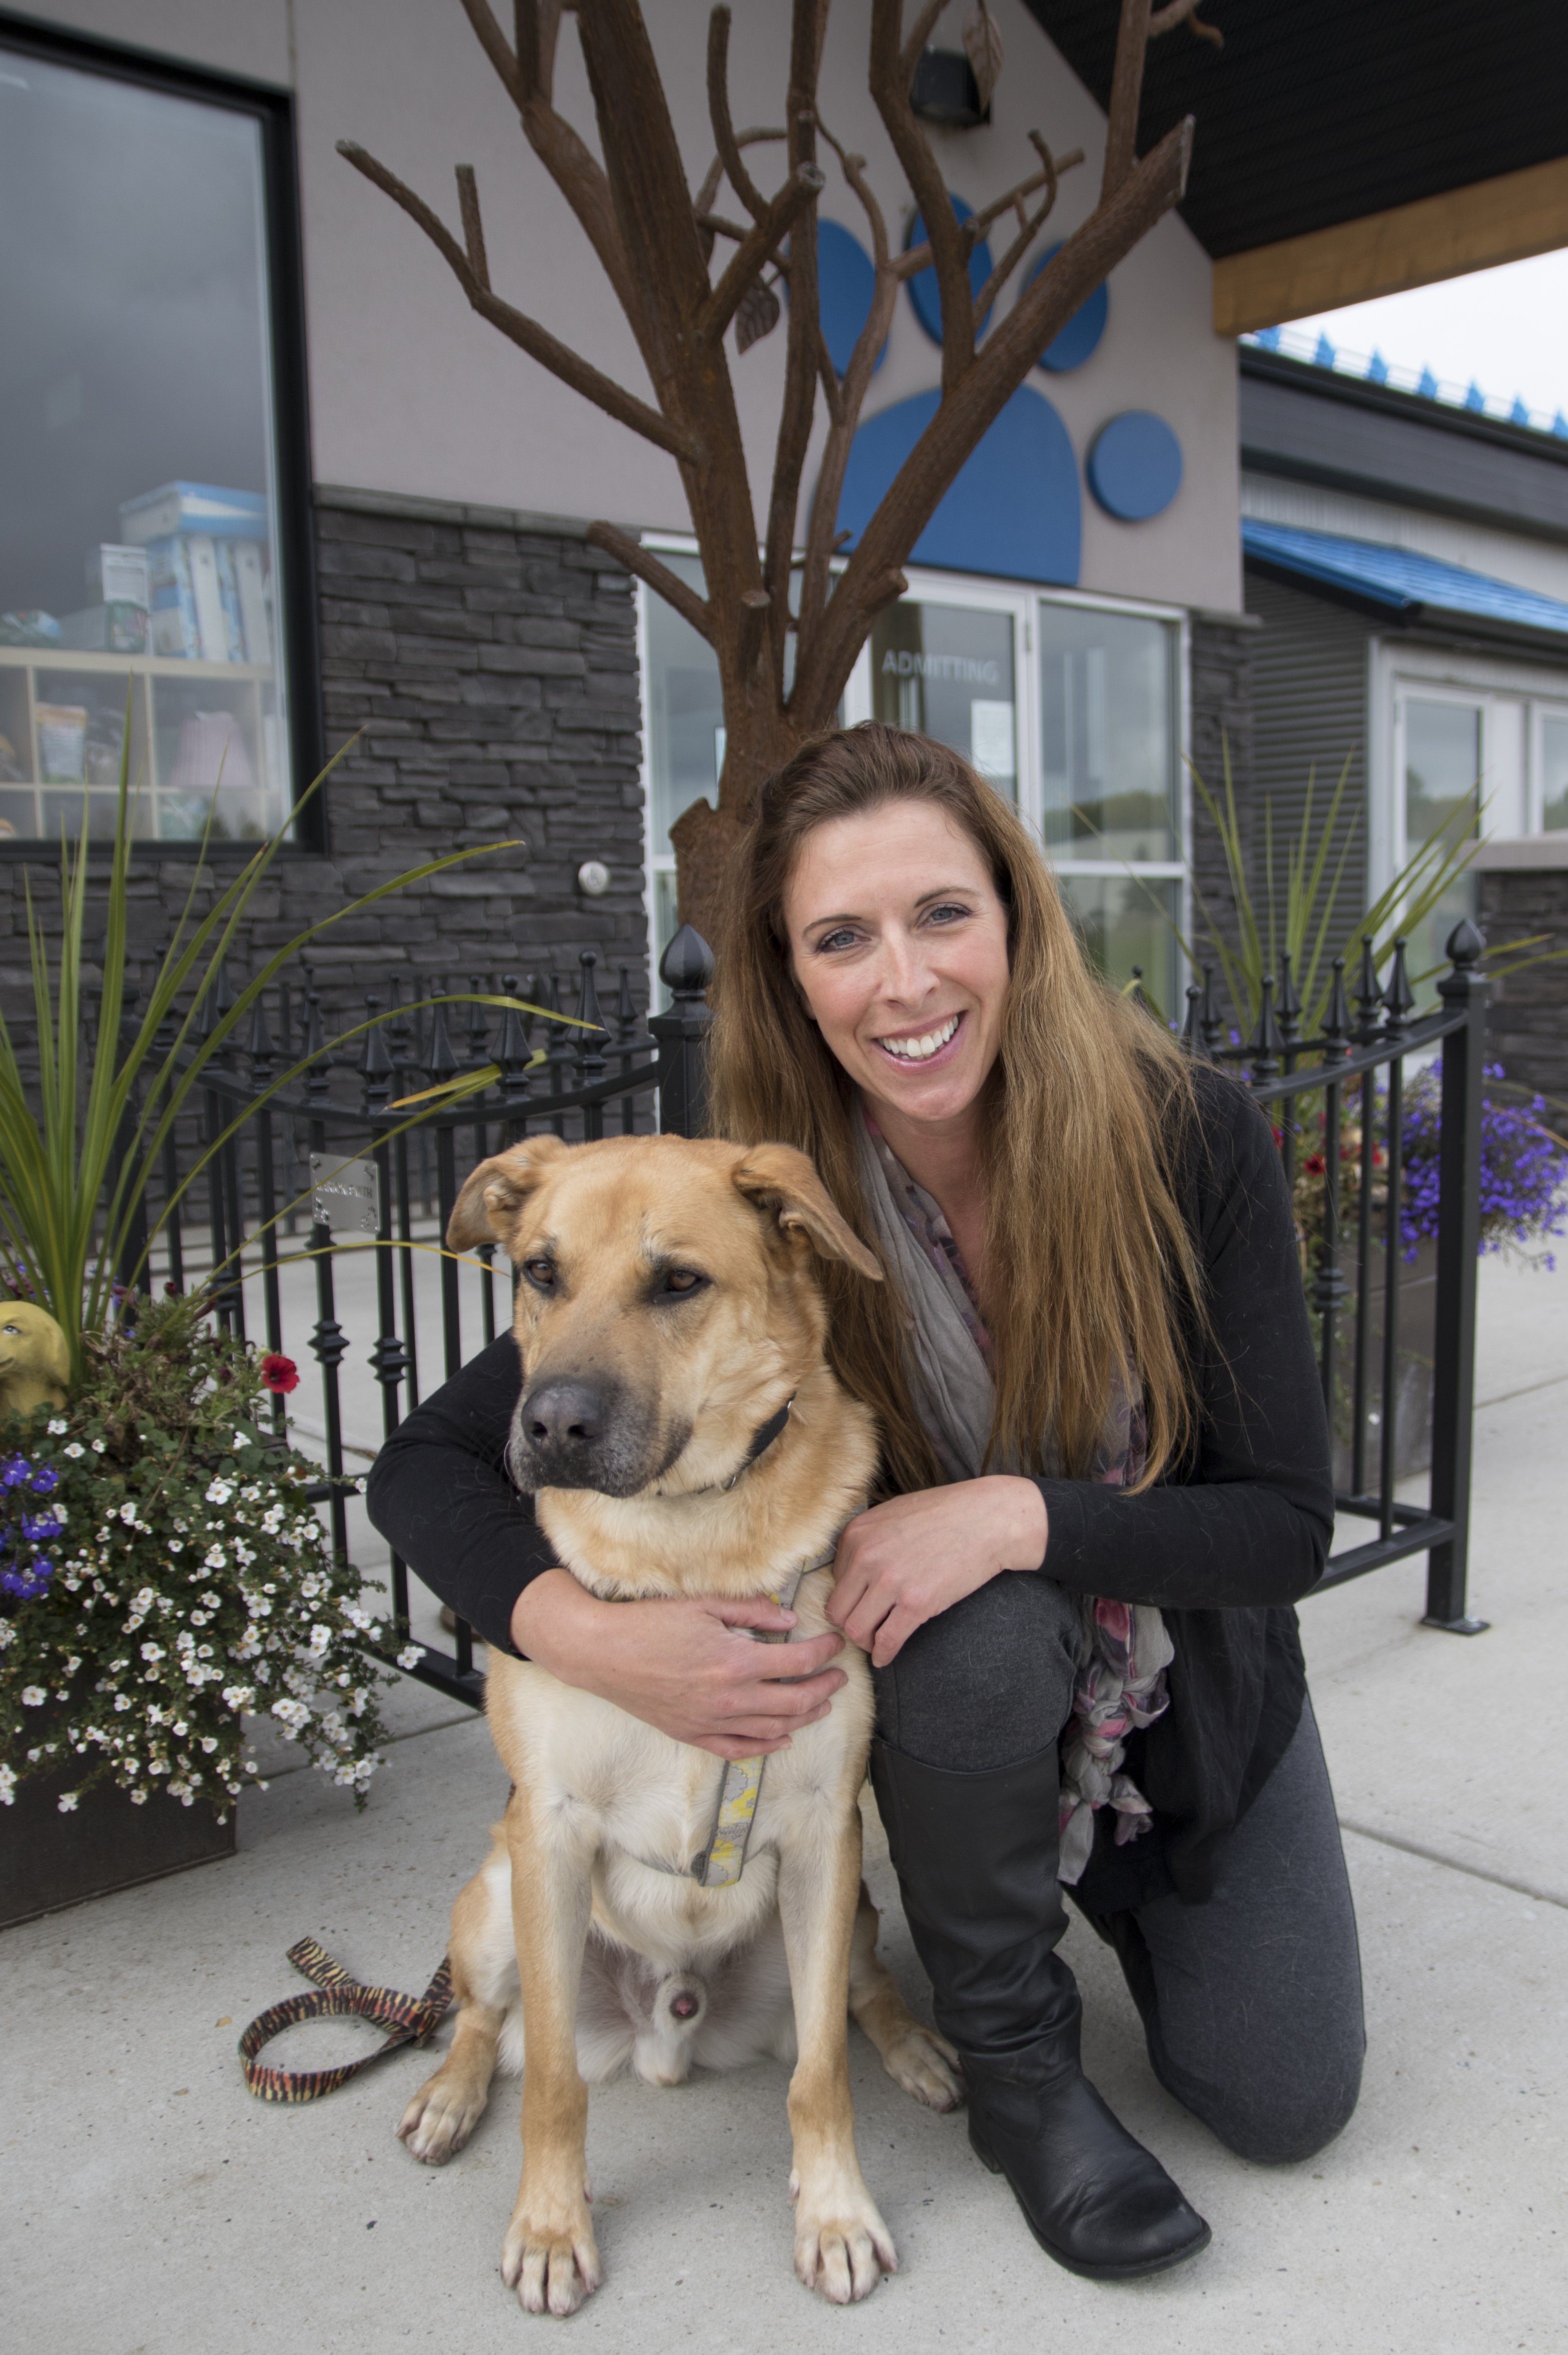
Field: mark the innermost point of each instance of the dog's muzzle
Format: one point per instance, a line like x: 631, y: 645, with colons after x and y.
x: 572, y: 1432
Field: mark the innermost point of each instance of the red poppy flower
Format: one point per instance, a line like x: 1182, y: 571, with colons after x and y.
x: 1315, y: 1164
x: 279, y: 1374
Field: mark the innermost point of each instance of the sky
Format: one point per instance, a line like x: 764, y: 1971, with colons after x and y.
x: 1506, y: 329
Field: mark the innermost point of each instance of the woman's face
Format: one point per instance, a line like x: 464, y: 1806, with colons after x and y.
x: 899, y: 943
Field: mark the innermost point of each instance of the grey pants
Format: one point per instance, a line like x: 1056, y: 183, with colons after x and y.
x: 1251, y: 2001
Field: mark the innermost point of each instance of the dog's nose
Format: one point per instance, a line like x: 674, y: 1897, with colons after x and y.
x: 564, y: 1415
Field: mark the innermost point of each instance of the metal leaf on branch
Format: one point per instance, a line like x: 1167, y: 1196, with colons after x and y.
x: 756, y: 314
x: 983, y: 46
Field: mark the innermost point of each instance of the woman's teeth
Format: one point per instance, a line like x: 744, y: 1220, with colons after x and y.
x: 918, y: 1050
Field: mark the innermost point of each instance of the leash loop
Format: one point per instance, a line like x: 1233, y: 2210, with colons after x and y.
x: 402, y: 2019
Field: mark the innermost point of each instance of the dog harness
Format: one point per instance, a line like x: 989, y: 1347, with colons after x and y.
x: 720, y: 1864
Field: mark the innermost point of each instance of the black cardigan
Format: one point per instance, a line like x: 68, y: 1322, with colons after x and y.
x: 1225, y: 1544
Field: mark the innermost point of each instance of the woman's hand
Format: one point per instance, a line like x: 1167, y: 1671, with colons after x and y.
x: 904, y: 1563
x: 683, y: 1665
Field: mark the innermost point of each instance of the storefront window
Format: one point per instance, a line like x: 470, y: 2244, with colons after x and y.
x: 1442, y: 785
x: 140, y: 572
x: 1554, y: 772
x: 1128, y: 924
x: 947, y: 671
x: 1107, y: 734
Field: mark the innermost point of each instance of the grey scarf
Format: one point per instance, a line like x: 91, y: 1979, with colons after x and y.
x: 1122, y: 1684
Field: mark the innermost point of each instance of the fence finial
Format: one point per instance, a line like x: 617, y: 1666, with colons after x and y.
x: 1466, y: 945
x: 1399, y: 997
x: 1212, y: 1027
x: 1369, y: 999
x: 1192, y: 1029
x: 375, y: 1064
x: 1337, y: 1021
x: 685, y: 967
x: 1263, y: 1048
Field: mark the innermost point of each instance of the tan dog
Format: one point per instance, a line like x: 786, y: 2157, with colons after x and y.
x: 666, y: 1311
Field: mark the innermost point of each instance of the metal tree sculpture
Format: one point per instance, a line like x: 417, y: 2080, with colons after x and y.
x: 656, y: 242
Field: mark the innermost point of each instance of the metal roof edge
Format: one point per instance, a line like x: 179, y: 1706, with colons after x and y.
x: 1414, y: 618
x: 1413, y: 407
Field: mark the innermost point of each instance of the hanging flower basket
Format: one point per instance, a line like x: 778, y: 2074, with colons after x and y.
x: 163, y: 1579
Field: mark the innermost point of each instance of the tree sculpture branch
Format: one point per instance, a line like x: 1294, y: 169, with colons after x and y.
x: 656, y: 240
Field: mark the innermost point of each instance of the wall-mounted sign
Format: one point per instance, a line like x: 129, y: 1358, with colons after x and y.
x: 348, y: 1196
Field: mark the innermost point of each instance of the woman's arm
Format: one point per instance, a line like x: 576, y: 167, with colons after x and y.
x: 1251, y: 1517
x: 439, y: 1491
x: 1250, y: 1520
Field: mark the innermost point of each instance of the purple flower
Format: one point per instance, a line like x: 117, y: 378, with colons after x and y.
x: 37, y: 1527
x: 1524, y: 1170
x: 46, y: 1480
x: 28, y: 1580
x: 13, y: 1471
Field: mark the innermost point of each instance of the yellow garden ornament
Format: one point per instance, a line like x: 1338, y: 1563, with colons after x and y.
x: 35, y: 1360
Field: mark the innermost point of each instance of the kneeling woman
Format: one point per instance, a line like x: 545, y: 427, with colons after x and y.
x: 1107, y: 1474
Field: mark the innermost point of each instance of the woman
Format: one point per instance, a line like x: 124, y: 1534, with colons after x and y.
x: 1106, y: 1463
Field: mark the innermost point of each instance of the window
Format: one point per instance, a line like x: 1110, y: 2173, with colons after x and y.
x: 685, y: 734
x: 1082, y: 731
x: 153, y: 489
x: 1110, y: 803
x: 1444, y: 787
x: 1553, y: 771
x: 947, y: 671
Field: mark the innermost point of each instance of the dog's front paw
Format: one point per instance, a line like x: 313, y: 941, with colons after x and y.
x: 441, y: 2117
x: 841, y: 2246
x: 549, y: 2255
x: 925, y: 2065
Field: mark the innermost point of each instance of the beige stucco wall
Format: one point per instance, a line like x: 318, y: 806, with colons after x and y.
x: 411, y: 393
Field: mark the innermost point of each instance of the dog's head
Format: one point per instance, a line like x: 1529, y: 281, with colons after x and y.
x: 665, y: 1301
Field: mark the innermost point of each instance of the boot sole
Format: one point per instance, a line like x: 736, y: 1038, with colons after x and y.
x: 1137, y: 2272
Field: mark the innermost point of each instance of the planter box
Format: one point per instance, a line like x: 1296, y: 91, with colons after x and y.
x: 48, y: 1861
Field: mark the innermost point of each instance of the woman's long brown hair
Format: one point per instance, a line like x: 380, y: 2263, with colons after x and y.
x: 1090, y: 1275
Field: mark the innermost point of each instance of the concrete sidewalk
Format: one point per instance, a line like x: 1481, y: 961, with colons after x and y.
x: 153, y: 2207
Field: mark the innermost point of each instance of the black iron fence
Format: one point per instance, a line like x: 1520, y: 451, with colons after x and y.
x: 337, y: 1174
x: 1338, y: 1100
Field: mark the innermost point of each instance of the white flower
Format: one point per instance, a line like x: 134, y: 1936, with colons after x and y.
x: 219, y: 1492
x: 241, y: 1440
x: 56, y: 1424
x: 292, y: 1715
x: 33, y: 1696
x: 8, y: 1634
x: 238, y: 1696
x: 128, y: 1512
x: 176, y: 1546
x: 73, y: 1447
x: 121, y: 1703
x: 98, y: 1447
x: 320, y: 1637
x: 72, y: 1664
x: 199, y: 1618
x: 215, y: 1559
x: 152, y: 1651
x: 410, y: 1656
x: 210, y: 1741
x: 68, y: 1803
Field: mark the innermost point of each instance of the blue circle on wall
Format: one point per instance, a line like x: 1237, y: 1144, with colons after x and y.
x: 1135, y: 466
x: 921, y: 289
x: 846, y: 282
x: 1014, y: 509
x: 1071, y: 347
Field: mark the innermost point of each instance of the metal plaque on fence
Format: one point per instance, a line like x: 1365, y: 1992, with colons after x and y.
x: 348, y: 1194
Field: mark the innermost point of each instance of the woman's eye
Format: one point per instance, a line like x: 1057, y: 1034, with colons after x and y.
x: 842, y: 939
x: 949, y: 913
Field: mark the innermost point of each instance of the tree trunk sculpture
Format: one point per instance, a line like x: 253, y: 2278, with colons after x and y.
x: 656, y: 242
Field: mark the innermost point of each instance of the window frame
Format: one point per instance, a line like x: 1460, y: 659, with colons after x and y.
x: 296, y: 602
x: 1021, y: 599
x: 1438, y: 675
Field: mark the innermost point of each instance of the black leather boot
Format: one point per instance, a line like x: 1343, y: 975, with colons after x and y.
x: 975, y: 1856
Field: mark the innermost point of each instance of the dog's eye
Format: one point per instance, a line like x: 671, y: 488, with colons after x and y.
x: 684, y: 1280
x: 540, y: 1273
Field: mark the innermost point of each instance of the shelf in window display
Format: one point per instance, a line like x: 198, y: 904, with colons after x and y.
x: 141, y: 666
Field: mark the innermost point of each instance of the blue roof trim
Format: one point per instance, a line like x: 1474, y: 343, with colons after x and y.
x: 1400, y: 580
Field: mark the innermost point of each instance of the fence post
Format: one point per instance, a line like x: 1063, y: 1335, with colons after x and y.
x: 686, y: 969
x: 1463, y: 990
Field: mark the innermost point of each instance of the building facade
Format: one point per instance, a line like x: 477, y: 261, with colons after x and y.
x: 272, y: 490
x: 1408, y: 560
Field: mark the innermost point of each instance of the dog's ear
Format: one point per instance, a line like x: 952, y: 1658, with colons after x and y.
x: 496, y: 1189
x: 778, y: 1179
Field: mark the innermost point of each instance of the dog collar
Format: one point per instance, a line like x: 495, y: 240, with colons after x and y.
x: 762, y: 1439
